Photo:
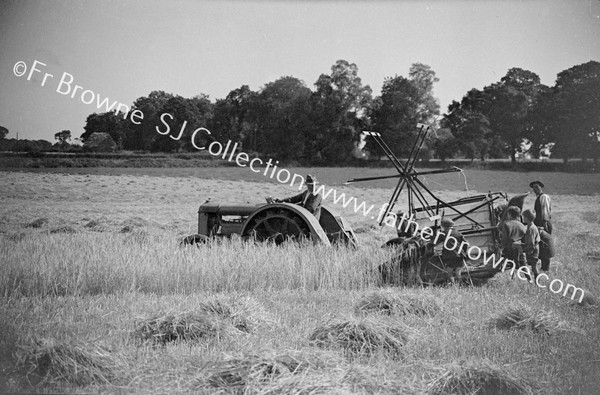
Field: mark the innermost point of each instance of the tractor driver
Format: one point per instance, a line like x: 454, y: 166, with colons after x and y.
x: 307, y: 199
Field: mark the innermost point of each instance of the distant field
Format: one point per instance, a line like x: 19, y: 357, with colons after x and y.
x: 86, y: 257
x: 476, y: 180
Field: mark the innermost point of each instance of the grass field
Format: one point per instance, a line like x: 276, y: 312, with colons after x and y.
x: 94, y: 286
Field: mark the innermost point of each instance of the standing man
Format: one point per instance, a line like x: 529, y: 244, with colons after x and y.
x: 542, y: 207
x: 307, y: 199
x: 543, y: 215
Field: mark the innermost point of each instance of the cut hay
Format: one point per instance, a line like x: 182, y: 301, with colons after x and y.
x: 249, y: 373
x: 479, y: 377
x: 365, y: 336
x: 244, y: 313
x: 16, y: 237
x: 37, y: 223
x: 96, y: 226
x: 63, y: 229
x: 187, y: 326
x: 523, y: 318
x: 393, y: 303
x: 73, y: 362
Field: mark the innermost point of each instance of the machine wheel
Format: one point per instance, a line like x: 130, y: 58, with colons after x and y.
x: 277, y: 225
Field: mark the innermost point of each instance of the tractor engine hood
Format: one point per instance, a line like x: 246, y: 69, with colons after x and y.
x: 229, y: 209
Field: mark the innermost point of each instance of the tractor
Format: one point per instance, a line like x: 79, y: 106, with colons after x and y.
x: 274, y: 222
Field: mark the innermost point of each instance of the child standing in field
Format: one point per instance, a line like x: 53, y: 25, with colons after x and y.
x: 531, y: 241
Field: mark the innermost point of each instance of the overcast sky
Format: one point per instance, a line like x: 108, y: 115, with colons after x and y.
x: 125, y: 49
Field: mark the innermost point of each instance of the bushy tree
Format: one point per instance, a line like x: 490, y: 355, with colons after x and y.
x: 282, y: 113
x: 395, y: 115
x: 575, y: 128
x: 444, y: 144
x: 179, y: 117
x: 107, y: 122
x: 233, y: 117
x: 496, y: 121
x: 469, y: 124
x: 63, y: 137
x: 339, y: 110
x: 142, y: 136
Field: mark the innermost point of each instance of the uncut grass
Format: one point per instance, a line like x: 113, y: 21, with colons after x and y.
x: 104, y: 263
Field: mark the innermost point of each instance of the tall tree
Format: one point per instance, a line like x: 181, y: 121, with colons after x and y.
x: 233, y: 117
x: 513, y: 99
x: 178, y: 119
x: 141, y: 136
x: 577, y: 101
x: 282, y: 111
x: 339, y: 108
x: 395, y: 115
x: 469, y: 124
x: 423, y: 77
x: 3, y: 132
x: 541, y: 121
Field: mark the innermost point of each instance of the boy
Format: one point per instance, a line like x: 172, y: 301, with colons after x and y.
x: 511, y: 231
x: 531, y: 241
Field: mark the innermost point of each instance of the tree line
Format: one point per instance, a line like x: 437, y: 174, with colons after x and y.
x: 518, y: 114
x: 288, y: 121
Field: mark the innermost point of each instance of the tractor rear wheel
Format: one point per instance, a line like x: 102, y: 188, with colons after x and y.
x: 277, y: 225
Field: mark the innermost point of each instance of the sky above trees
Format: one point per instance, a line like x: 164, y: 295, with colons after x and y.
x: 126, y: 49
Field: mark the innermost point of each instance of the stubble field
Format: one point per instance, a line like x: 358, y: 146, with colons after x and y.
x: 92, y: 276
